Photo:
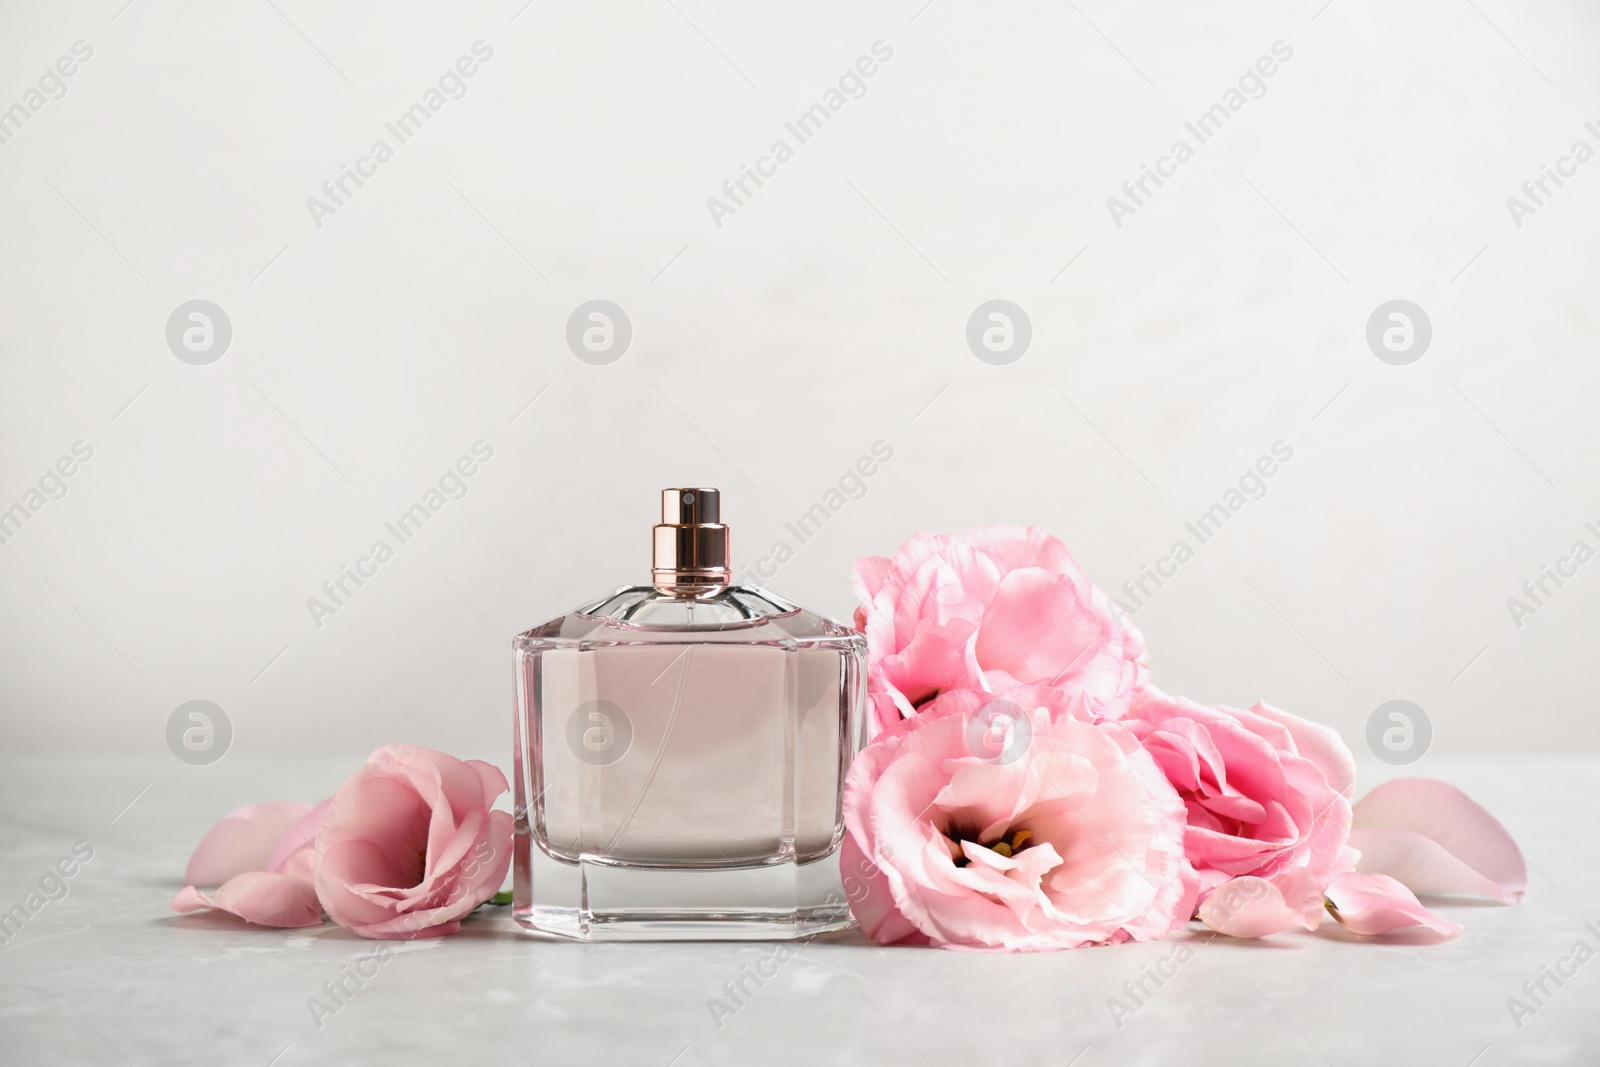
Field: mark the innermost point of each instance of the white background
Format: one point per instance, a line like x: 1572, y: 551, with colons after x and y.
x: 769, y: 353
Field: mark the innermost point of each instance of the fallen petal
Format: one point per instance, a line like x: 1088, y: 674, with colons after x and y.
x: 1369, y: 904
x: 1470, y: 852
x: 1253, y: 907
x: 244, y: 841
x: 258, y: 897
x: 1422, y: 865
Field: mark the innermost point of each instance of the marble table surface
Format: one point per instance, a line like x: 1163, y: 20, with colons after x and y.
x: 107, y: 974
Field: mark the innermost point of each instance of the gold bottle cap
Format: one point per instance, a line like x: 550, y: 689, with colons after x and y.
x: 691, y: 545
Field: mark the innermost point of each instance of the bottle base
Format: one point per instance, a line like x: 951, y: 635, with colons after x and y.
x: 572, y: 924
x: 589, y: 900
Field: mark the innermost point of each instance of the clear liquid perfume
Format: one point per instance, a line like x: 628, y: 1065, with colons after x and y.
x: 681, y: 750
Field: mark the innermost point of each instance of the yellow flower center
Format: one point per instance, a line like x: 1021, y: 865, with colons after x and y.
x: 1006, y: 846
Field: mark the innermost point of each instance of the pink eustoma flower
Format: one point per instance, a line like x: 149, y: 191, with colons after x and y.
x: 989, y: 609
x: 410, y: 844
x: 1268, y: 797
x: 1057, y: 831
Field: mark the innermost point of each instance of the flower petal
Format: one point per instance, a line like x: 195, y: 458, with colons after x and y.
x: 927, y: 666
x: 258, y: 897
x: 1421, y: 864
x: 295, y: 851
x: 1036, y: 628
x: 1369, y: 904
x: 1320, y: 744
x: 868, y: 575
x: 871, y: 901
x: 244, y: 841
x: 1255, y: 907
x: 1474, y: 853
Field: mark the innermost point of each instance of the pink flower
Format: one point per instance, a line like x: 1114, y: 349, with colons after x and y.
x: 989, y: 609
x: 404, y: 849
x: 410, y: 844
x: 1267, y: 797
x: 1016, y: 823
x: 259, y: 857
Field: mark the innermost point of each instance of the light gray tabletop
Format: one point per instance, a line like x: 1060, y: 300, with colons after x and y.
x: 108, y: 975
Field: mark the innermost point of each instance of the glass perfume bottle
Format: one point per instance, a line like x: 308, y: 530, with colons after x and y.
x: 681, y: 749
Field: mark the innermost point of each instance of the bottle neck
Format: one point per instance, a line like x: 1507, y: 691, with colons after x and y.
x: 690, y: 551
x: 691, y: 560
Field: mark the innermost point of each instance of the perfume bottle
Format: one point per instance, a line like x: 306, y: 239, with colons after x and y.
x: 681, y: 750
